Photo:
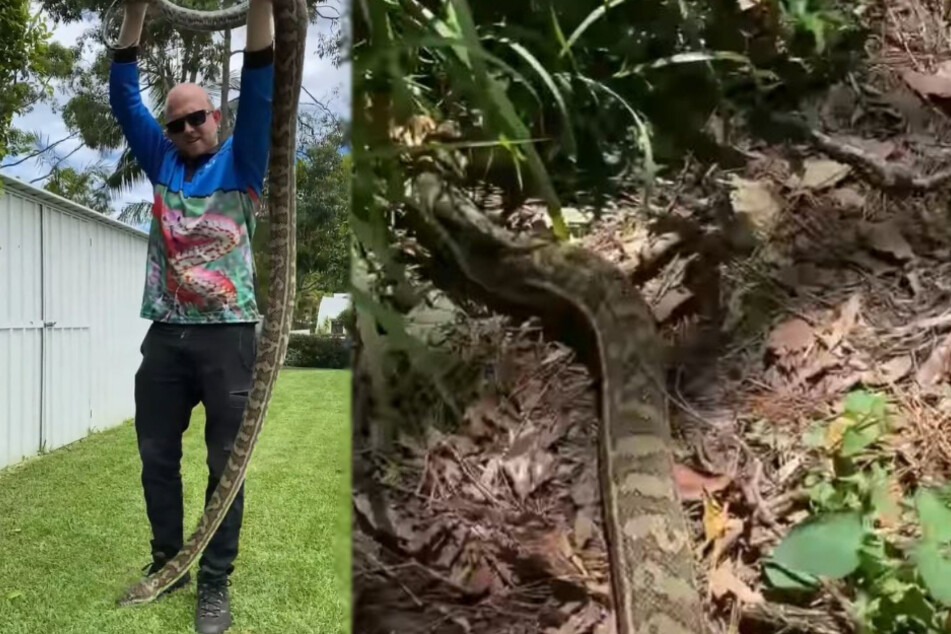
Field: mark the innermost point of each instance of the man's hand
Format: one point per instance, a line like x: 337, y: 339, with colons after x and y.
x: 260, y: 25
x: 132, y: 21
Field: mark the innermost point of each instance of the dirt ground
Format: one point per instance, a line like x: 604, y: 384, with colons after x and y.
x: 825, y: 285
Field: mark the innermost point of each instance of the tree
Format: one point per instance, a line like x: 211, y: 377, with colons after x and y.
x: 323, y: 207
x: 29, y: 62
x: 86, y: 187
x: 323, y: 204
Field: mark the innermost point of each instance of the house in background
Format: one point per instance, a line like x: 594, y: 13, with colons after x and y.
x: 331, y: 307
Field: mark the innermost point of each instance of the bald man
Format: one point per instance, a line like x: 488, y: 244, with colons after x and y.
x: 199, y: 287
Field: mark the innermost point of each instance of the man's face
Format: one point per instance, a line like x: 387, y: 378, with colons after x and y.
x: 190, y: 120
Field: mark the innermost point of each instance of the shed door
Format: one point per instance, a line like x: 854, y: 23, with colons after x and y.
x: 67, y: 357
x: 21, y: 328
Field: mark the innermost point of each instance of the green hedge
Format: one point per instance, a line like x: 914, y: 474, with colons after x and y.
x: 317, y: 351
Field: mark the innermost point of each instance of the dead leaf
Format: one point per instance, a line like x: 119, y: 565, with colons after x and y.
x: 914, y: 281
x: 584, y: 528
x: 822, y: 173
x: 479, y: 416
x: 888, y: 504
x: 490, y: 472
x: 889, y: 372
x: 724, y: 581
x: 716, y: 126
x: 585, y: 490
x: 746, y: 5
x: 575, y: 217
x: 835, y: 430
x: 715, y: 518
x: 789, y: 468
x: 848, y: 197
x: 848, y: 316
x: 756, y: 201
x: 880, y: 149
x: 417, y: 128
x: 817, y: 364
x: 934, y: 370
x: 480, y: 580
x: 557, y: 355
x: 551, y: 552
x: 670, y: 302
x: 885, y: 238
x: 691, y: 484
x: 463, y: 445
x: 529, y: 470
x: 790, y: 336
x: 581, y: 621
x: 734, y: 528
x: 937, y: 84
x: 607, y: 626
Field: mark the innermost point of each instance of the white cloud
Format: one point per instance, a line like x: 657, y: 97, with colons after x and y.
x: 325, y: 82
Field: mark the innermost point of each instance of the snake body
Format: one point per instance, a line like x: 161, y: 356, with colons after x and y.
x: 290, y: 28
x: 586, y: 302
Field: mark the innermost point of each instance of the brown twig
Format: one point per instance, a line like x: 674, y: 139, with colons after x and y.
x: 878, y: 171
x: 792, y: 619
x: 937, y: 322
x: 780, y: 503
x: 381, y: 567
x: 752, y: 493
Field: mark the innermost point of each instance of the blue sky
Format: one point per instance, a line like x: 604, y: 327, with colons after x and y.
x: 326, y: 83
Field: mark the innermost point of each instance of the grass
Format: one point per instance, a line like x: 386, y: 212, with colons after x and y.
x: 74, y: 534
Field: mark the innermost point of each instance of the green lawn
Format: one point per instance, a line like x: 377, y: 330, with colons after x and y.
x: 74, y: 535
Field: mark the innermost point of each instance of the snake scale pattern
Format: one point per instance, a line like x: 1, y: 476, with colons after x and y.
x: 586, y: 302
x: 290, y: 32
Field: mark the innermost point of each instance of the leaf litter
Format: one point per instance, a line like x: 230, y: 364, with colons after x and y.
x: 496, y: 526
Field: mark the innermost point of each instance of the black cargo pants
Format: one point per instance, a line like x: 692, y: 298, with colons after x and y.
x: 183, y: 365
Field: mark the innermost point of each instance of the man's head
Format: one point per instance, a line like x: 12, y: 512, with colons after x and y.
x: 191, y: 121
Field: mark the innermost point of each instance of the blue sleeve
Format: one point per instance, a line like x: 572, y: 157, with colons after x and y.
x: 251, y: 140
x: 145, y: 137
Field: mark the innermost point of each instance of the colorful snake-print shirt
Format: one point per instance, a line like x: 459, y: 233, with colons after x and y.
x: 199, y: 267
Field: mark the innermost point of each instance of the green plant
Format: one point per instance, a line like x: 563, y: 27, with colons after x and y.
x: 317, y: 351
x: 821, y: 20
x: 857, y: 530
x: 567, y: 101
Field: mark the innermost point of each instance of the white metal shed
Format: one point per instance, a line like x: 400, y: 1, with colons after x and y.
x: 70, y: 288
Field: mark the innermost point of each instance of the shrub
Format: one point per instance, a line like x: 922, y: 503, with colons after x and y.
x: 317, y: 351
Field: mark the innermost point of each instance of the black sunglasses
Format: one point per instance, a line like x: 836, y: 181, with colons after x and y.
x: 194, y: 119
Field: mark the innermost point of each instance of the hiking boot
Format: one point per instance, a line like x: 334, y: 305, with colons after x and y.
x: 212, y: 613
x: 156, y: 565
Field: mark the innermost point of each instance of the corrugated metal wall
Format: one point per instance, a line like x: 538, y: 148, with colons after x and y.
x: 21, y: 328
x: 70, y: 331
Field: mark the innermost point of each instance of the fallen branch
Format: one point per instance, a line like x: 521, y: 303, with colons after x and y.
x: 879, y: 172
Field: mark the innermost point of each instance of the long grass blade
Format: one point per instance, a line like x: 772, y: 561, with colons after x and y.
x: 690, y: 57
x: 549, y: 82
x: 643, y: 137
x: 593, y: 17
x: 497, y: 100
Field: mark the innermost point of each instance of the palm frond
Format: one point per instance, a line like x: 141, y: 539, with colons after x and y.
x: 135, y: 213
x: 127, y: 173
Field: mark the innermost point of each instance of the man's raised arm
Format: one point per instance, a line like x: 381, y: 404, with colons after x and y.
x: 145, y: 137
x: 252, y: 127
